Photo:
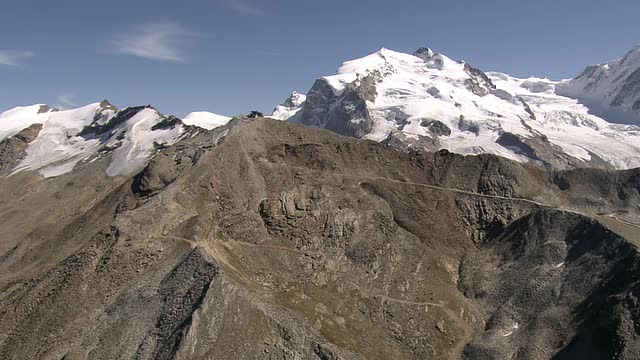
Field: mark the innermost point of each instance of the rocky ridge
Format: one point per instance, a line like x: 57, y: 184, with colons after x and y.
x: 54, y: 141
x: 265, y: 239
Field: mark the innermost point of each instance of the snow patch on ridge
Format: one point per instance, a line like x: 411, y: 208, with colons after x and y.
x: 57, y: 149
x: 290, y: 107
x: 205, y: 120
x: 139, y: 141
x: 130, y: 137
x: 17, y: 119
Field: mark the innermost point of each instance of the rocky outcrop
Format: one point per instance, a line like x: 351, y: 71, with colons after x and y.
x: 345, y: 113
x: 101, y: 127
x: 399, y: 141
x: 12, y: 149
x: 164, y: 168
x: 437, y: 128
x: 478, y: 82
x: 605, y: 189
x: 545, y: 298
x: 527, y: 108
x: 467, y: 125
x: 541, y: 151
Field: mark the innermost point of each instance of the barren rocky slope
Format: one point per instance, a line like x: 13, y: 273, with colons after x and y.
x: 263, y: 239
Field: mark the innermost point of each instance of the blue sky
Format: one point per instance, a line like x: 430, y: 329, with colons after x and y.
x: 232, y: 56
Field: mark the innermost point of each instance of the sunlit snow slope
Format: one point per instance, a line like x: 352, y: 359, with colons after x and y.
x: 427, y: 100
x: 66, y: 138
x: 205, y: 120
x: 611, y: 90
x: 290, y: 107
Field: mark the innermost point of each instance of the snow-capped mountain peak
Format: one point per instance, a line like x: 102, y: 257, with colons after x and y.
x: 14, y: 120
x: 423, y: 100
x: 428, y: 100
x: 610, y: 90
x: 70, y: 136
x: 289, y: 107
x: 61, y: 139
x: 295, y: 99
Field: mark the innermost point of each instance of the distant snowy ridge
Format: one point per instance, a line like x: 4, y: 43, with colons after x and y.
x: 289, y: 107
x: 66, y: 138
x: 428, y: 101
x: 17, y: 119
x: 423, y: 100
x: 611, y: 90
x: 206, y: 120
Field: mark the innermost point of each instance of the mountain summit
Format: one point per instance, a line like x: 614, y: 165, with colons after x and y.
x: 429, y: 101
x: 289, y: 107
x: 60, y: 139
x: 610, y: 90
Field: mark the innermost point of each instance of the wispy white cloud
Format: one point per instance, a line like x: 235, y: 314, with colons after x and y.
x: 157, y: 40
x: 14, y: 57
x: 66, y: 101
x: 244, y: 8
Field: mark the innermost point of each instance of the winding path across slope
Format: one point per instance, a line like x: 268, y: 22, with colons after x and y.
x: 538, y: 203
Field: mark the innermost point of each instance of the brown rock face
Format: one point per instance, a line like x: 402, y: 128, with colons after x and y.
x: 12, y: 149
x: 268, y: 240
